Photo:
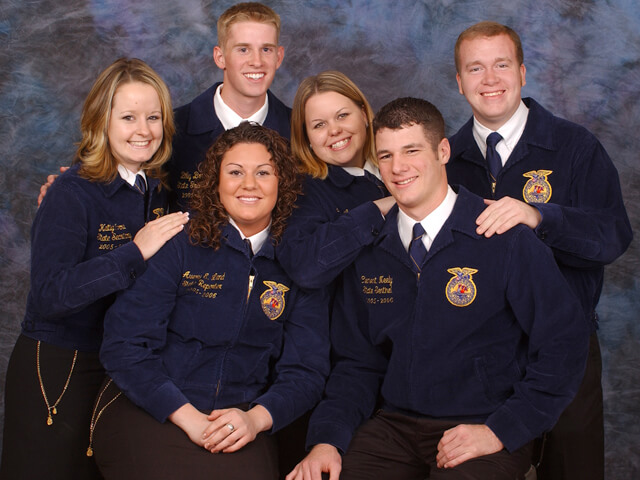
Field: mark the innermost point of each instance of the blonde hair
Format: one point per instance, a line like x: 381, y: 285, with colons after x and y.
x: 94, y: 153
x: 328, y: 81
x: 246, y: 12
x: 488, y: 29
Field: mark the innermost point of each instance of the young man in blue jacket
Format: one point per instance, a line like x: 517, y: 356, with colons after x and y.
x: 468, y: 347
x: 248, y: 53
x: 556, y: 178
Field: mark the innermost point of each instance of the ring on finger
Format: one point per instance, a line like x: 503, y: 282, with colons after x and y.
x: 230, y: 427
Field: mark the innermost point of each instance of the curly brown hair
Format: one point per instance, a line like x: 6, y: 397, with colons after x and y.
x: 208, y: 213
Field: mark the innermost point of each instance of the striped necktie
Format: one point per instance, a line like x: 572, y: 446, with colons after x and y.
x: 417, y: 250
x: 140, y: 184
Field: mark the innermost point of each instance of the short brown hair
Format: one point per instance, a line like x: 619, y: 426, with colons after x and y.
x: 407, y: 111
x: 208, y: 213
x: 98, y: 162
x: 488, y: 29
x: 328, y: 81
x: 246, y: 12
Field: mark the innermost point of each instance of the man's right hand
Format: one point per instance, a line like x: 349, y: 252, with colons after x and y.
x: 322, y: 458
x: 49, y: 182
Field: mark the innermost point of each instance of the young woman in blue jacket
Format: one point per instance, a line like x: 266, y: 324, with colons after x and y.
x: 215, y: 347
x: 98, y: 225
x: 332, y: 139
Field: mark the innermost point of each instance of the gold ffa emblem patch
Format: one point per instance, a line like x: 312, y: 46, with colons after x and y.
x: 158, y: 212
x: 461, y: 291
x: 537, y: 189
x: 272, y: 300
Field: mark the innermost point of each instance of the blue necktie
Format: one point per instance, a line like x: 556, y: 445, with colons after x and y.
x: 493, y: 157
x: 417, y: 250
x: 140, y: 184
x: 247, y: 242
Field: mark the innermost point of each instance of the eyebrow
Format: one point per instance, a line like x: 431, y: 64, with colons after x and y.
x: 257, y: 166
x: 322, y: 119
x: 495, y: 60
x: 404, y: 147
x: 248, y: 45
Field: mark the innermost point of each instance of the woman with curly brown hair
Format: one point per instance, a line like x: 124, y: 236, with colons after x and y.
x: 216, y: 338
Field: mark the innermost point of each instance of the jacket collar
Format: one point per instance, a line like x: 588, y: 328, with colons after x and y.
x: 203, y: 118
x: 462, y: 220
x: 110, y: 188
x: 232, y: 238
x: 339, y: 177
x: 537, y: 132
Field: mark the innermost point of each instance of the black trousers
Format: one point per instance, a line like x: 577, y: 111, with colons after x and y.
x: 574, y: 448
x: 31, y: 448
x: 393, y: 446
x: 129, y: 443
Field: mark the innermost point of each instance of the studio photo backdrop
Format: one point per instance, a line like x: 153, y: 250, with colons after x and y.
x: 582, y: 59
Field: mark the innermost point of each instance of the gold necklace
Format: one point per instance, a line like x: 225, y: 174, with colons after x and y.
x: 94, y: 418
x: 51, y: 409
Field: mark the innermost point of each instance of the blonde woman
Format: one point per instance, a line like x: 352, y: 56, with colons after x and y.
x: 91, y: 237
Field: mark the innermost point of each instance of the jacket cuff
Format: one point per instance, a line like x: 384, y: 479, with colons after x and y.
x: 130, y: 261
x: 509, y: 429
x: 164, y: 401
x: 334, y: 434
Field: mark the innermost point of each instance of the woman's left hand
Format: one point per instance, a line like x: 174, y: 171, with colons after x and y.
x: 232, y: 428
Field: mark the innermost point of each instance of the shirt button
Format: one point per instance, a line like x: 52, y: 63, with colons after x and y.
x: 132, y: 275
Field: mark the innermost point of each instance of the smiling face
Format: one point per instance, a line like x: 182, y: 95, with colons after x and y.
x: 337, y: 129
x: 248, y: 186
x: 135, y: 125
x: 249, y: 58
x: 413, y: 172
x: 491, y: 78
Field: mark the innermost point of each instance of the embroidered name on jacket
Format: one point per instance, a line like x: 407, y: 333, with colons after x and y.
x: 377, y: 289
x: 187, y: 183
x: 272, y: 299
x: 112, y: 235
x: 206, y: 284
x: 537, y: 189
x: 460, y: 290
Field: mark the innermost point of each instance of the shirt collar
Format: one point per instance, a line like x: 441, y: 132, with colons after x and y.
x: 231, y: 119
x: 432, y: 223
x: 511, y: 132
x: 128, y: 176
x: 359, y: 172
x: 256, y: 240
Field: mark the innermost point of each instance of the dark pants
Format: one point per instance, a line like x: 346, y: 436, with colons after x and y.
x: 575, y: 446
x: 393, y: 446
x: 130, y: 444
x: 291, y: 444
x: 31, y: 448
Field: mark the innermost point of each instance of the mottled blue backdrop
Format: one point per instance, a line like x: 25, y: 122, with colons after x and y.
x: 583, y: 61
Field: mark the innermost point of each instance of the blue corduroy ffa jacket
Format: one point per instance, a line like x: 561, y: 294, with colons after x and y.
x: 217, y: 328
x: 562, y: 170
x: 82, y: 254
x: 489, y: 333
